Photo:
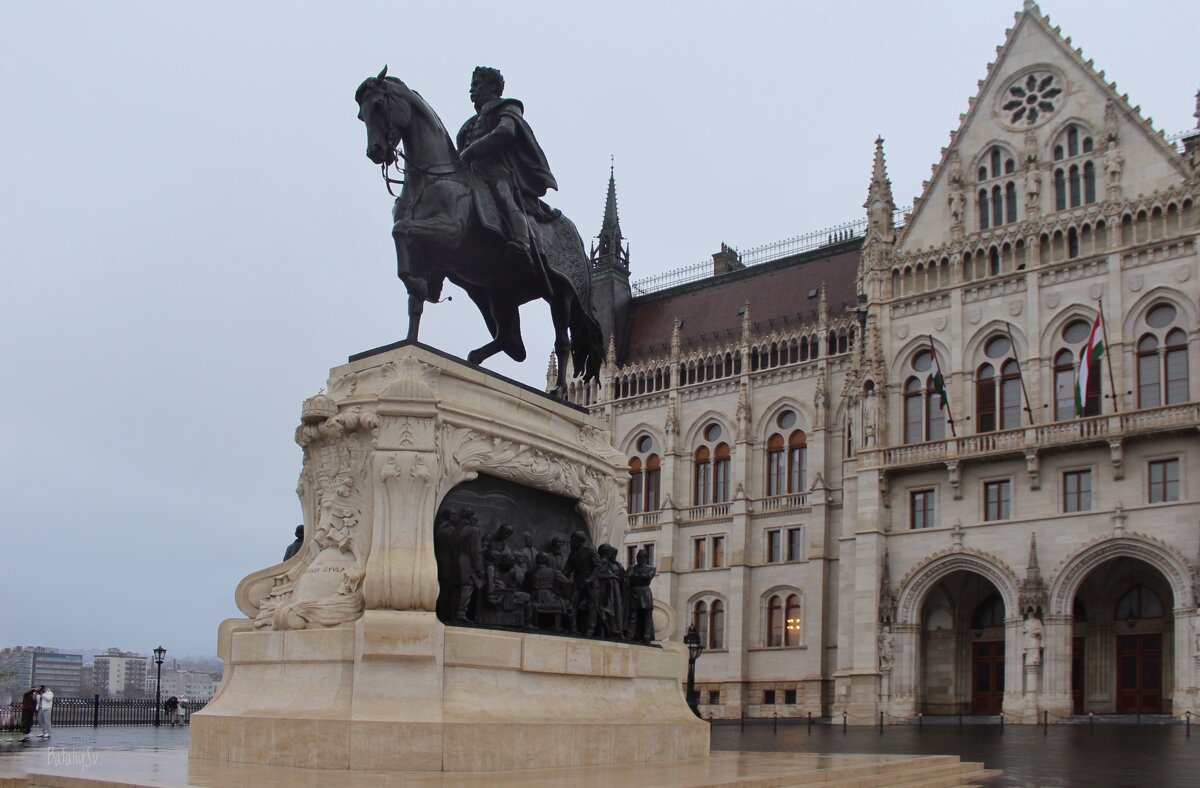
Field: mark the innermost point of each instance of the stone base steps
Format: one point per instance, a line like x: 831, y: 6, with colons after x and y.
x: 145, y: 768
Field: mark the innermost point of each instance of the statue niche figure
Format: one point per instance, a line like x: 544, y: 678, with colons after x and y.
x: 473, y: 217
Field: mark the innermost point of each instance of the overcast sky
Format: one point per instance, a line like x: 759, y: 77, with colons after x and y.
x: 191, y: 235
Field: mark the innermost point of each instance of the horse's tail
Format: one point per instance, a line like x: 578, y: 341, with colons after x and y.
x: 587, y: 343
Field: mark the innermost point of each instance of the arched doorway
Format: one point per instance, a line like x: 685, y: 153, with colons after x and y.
x: 1122, y: 640
x: 963, y: 646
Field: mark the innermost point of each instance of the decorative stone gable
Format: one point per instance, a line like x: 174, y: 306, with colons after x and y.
x: 1001, y: 167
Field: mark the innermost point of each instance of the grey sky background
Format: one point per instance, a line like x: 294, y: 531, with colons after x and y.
x: 191, y: 235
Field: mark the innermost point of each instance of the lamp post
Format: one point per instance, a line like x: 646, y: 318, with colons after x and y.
x: 160, y: 654
x: 695, y: 649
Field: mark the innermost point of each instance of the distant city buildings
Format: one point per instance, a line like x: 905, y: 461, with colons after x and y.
x: 190, y: 684
x: 24, y: 666
x: 119, y: 674
x: 111, y: 674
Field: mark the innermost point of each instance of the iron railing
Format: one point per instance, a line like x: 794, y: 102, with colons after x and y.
x: 96, y: 711
x: 766, y: 253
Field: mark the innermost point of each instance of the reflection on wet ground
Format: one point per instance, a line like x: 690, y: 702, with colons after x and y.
x: 1108, y: 755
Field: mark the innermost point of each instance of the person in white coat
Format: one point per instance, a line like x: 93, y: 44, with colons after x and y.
x: 45, y: 704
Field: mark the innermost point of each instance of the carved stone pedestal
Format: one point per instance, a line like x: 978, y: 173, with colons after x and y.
x: 341, y: 661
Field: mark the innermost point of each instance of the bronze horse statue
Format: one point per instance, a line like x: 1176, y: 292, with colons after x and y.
x: 440, y: 234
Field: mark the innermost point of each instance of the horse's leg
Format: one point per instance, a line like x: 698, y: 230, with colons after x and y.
x: 506, y: 317
x: 417, y: 287
x: 560, y: 316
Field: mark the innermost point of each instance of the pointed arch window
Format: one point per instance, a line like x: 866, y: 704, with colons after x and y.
x: 1162, y: 359
x: 1075, y: 178
x: 997, y: 201
x: 721, y: 468
x: 985, y: 399
x: 1074, y: 334
x: 774, y: 621
x: 636, y: 485
x: 644, y: 477
x: 700, y: 620
x: 716, y: 629
x: 792, y: 621
x: 1138, y: 602
x: 702, y: 477
x: 711, y: 468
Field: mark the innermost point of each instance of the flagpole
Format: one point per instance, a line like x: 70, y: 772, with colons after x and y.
x: 945, y: 398
x: 1112, y: 387
x: 1021, y: 375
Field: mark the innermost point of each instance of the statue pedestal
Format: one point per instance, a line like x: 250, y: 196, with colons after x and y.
x: 341, y: 661
x: 401, y: 691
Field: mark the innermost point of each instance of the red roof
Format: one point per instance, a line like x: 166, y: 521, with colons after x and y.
x: 778, y: 294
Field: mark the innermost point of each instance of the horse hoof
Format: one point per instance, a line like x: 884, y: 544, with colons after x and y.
x: 559, y: 392
x: 475, y: 357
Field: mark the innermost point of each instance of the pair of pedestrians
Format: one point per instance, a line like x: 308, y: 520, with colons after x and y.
x: 37, y: 701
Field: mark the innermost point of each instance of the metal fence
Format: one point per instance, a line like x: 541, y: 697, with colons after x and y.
x: 96, y: 711
x: 763, y: 254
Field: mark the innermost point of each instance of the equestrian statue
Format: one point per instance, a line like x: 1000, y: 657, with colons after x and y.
x: 472, y: 213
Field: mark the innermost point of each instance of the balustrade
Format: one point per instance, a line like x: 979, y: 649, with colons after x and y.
x: 1114, y: 426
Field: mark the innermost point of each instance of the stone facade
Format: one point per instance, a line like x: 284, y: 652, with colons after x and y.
x: 842, y: 541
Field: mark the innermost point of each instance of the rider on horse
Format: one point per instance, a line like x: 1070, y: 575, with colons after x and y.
x: 501, y: 147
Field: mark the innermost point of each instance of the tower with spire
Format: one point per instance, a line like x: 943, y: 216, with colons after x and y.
x: 880, y: 236
x: 611, y: 292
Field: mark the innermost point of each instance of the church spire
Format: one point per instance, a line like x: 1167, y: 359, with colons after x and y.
x: 880, y: 234
x: 611, y: 253
x: 880, y: 205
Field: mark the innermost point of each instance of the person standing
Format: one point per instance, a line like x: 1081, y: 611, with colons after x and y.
x: 29, y: 701
x: 45, y: 703
x: 171, y: 707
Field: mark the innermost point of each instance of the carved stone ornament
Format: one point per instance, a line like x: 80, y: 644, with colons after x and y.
x: 416, y: 425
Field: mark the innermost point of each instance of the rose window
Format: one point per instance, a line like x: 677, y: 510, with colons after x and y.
x: 1032, y: 97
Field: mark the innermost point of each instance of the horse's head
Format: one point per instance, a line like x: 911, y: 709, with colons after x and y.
x: 385, y: 109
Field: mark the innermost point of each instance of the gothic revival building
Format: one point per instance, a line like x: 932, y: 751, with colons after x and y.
x: 845, y: 532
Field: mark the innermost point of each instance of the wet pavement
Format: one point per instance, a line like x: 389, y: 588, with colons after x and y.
x: 1065, y: 755
x: 105, y: 737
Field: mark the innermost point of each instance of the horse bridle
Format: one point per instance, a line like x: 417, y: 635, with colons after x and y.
x: 398, y: 154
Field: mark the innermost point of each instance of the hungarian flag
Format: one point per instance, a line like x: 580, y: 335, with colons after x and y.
x: 939, y: 382
x: 1091, y: 353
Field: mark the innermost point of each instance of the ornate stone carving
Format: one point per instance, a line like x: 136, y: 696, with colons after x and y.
x: 1162, y: 556
x: 930, y: 571
x: 820, y: 401
x: 887, y: 649
x: 887, y: 596
x: 1032, y: 468
x: 1114, y: 168
x: 1111, y: 134
x: 1032, y: 630
x: 324, y: 587
x: 671, y: 424
x: 743, y: 412
x: 953, y: 478
x: 1033, y: 596
x: 375, y: 470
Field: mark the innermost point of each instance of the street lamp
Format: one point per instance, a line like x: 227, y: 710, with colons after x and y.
x: 695, y: 649
x: 160, y: 654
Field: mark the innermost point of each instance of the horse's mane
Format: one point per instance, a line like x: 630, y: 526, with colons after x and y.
x: 396, y: 86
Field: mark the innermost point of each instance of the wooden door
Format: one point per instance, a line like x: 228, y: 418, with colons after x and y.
x: 1077, y: 663
x: 987, y: 669
x: 1139, y: 674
